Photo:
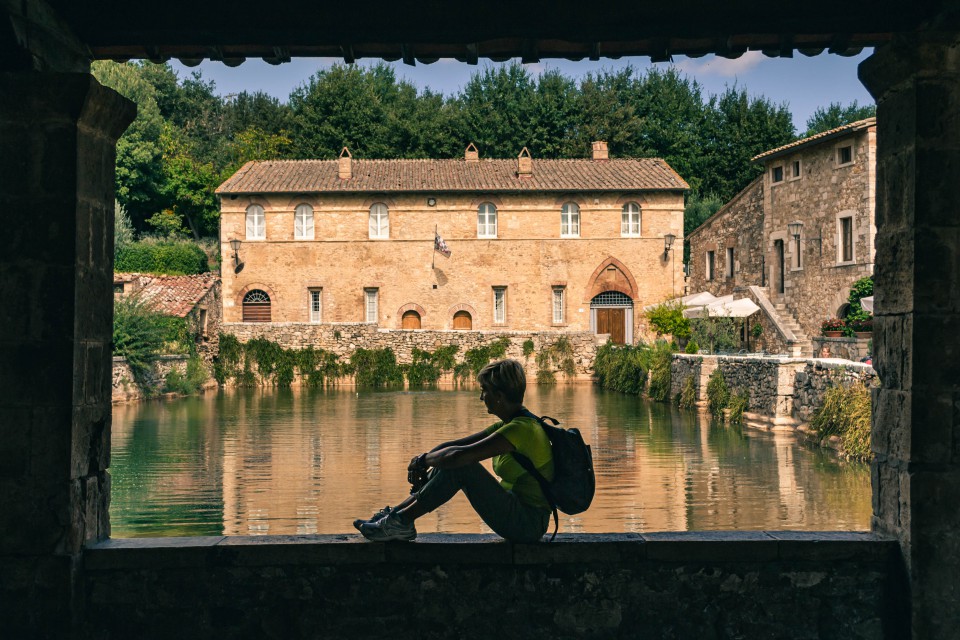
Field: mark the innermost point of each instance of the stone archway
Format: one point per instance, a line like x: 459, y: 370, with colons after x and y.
x: 611, y: 275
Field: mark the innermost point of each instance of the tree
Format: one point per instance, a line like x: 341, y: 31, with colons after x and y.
x: 496, y: 110
x: 695, y: 212
x: 607, y: 112
x: 836, y: 115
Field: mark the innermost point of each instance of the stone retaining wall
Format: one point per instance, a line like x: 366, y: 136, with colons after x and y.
x: 783, y: 391
x: 343, y: 339
x: 125, y: 389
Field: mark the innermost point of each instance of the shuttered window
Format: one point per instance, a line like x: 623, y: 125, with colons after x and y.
x: 256, y: 306
x: 370, y: 305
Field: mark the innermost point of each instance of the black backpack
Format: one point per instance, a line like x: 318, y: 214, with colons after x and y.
x: 574, y: 484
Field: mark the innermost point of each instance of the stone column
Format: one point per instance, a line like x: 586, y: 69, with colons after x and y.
x: 58, y: 134
x: 916, y: 421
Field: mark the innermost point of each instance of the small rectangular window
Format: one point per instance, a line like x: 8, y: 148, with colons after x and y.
x: 729, y: 262
x: 499, y: 305
x: 316, y: 306
x: 710, y: 263
x: 558, y: 315
x: 776, y: 174
x: 796, y: 169
x: 845, y: 154
x: 370, y: 299
x: 202, y: 322
x: 846, y: 239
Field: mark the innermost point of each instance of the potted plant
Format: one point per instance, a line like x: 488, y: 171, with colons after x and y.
x: 833, y: 327
x: 862, y: 327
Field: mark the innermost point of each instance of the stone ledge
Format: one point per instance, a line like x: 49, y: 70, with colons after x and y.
x: 478, y: 549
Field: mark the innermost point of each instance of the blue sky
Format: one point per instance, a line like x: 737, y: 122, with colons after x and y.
x: 801, y: 82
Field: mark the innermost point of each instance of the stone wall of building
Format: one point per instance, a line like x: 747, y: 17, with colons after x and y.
x: 344, y: 339
x: 737, y: 225
x: 817, y: 283
x: 528, y: 258
x: 785, y: 585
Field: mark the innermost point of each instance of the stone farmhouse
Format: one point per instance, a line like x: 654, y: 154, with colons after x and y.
x: 796, y: 238
x: 535, y: 245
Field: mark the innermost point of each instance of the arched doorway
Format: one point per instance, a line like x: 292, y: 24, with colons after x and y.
x: 612, y: 312
x: 256, y: 306
x: 410, y: 320
x: 462, y: 321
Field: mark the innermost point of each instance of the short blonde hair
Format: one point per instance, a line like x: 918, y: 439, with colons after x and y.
x: 505, y: 376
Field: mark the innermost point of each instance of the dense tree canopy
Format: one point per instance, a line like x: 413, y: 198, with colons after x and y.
x: 187, y: 139
x: 837, y: 115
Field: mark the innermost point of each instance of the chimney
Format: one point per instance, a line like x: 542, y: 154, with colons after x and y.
x: 524, y: 164
x: 600, y: 150
x: 345, y: 166
x: 471, y: 154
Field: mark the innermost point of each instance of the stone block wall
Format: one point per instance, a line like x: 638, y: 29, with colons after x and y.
x: 813, y: 380
x: 344, y: 339
x: 124, y: 387
x: 853, y: 349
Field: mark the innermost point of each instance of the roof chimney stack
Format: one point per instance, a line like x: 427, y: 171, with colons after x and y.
x: 471, y: 154
x: 345, y: 166
x: 600, y: 151
x: 524, y: 164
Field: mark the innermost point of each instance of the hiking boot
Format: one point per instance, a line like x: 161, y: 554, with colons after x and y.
x: 379, y: 514
x: 388, y: 528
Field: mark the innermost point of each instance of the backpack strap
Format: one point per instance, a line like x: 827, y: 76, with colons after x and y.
x: 527, y: 465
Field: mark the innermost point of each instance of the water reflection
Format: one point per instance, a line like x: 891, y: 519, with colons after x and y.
x: 304, y: 461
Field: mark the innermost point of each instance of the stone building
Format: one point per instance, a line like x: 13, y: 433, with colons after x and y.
x: 799, y: 235
x: 537, y: 245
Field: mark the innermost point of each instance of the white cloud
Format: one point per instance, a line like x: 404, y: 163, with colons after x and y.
x: 722, y: 67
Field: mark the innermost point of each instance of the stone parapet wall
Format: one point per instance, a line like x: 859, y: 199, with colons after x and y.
x: 124, y: 387
x: 783, y: 391
x: 343, y: 339
x: 853, y: 349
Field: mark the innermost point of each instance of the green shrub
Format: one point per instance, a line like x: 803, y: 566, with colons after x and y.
x: 528, y: 348
x: 667, y: 319
x: 845, y: 412
x: 477, y: 358
x: 557, y: 356
x: 757, y: 330
x: 718, y: 395
x: 661, y: 358
x: 427, y: 367
x: 738, y: 403
x: 376, y: 368
x: 688, y: 396
x: 161, y: 257
x: 187, y: 383
x: 692, y: 347
x: 622, y: 367
x: 138, y: 334
x: 274, y: 363
x: 716, y: 334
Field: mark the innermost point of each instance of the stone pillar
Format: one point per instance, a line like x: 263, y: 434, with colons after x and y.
x: 58, y: 134
x: 916, y: 421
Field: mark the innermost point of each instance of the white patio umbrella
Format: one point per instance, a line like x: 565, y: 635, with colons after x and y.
x: 867, y: 303
x: 724, y: 308
x: 692, y: 300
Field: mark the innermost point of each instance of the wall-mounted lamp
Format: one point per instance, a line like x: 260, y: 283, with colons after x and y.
x: 237, y: 264
x: 667, y: 244
x: 794, y: 229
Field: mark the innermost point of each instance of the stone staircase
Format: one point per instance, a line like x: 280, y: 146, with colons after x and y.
x: 802, y: 347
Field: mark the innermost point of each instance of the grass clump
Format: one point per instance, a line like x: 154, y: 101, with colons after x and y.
x: 528, y: 348
x: 846, y: 413
x: 718, y: 395
x: 687, y: 398
x: 738, y: 403
x: 558, y: 356
x: 189, y: 382
x: 622, y: 368
x: 661, y: 357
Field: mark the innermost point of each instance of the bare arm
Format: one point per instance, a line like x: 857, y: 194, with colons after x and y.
x: 461, y: 442
x: 460, y: 455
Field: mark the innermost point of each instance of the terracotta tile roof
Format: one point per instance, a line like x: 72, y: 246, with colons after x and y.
x: 435, y: 176
x: 171, y: 295
x: 832, y: 133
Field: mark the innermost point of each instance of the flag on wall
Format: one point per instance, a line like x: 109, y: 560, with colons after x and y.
x: 440, y: 246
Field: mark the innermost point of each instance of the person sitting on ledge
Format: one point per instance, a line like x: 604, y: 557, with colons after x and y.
x: 515, y: 508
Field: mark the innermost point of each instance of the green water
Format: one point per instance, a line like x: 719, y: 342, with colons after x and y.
x: 301, y: 461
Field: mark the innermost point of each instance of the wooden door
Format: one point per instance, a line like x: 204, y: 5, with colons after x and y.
x: 462, y: 321
x: 411, y: 320
x: 612, y: 321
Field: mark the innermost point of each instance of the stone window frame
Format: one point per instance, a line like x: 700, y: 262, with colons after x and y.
x: 484, y: 212
x: 796, y: 170
x: 795, y: 245
x: 711, y: 263
x: 777, y: 174
x: 382, y: 229
x: 838, y: 236
x: 566, y: 212
x: 626, y: 220
x: 300, y: 231
x: 251, y: 215
x: 318, y: 318
x: 371, y: 305
x: 729, y: 270
x: 499, y: 298
x: 838, y: 154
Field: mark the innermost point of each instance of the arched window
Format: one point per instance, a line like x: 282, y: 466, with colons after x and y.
x: 487, y: 220
x: 411, y: 320
x: 570, y: 220
x: 462, y: 320
x: 256, y: 223
x: 630, y: 220
x: 256, y: 306
x: 303, y: 223
x: 379, y: 221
